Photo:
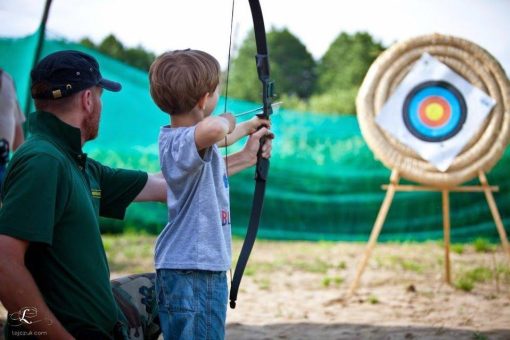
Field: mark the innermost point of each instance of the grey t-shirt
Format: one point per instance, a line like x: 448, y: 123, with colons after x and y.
x: 197, y: 235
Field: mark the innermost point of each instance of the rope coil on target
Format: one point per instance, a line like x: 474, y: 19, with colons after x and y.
x: 441, y: 101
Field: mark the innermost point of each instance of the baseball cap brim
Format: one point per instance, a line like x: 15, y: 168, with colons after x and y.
x: 110, y: 85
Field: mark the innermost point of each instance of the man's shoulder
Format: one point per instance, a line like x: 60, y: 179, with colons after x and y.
x: 35, y: 149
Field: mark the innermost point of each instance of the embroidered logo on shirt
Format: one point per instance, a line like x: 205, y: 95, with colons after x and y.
x: 225, y: 217
x: 96, y: 193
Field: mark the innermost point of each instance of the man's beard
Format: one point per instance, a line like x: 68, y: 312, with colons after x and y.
x: 91, y: 127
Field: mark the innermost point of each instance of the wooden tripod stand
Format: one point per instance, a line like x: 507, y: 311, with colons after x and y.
x: 394, y: 186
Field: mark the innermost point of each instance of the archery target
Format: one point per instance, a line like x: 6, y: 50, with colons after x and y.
x: 434, y: 111
x: 409, y: 149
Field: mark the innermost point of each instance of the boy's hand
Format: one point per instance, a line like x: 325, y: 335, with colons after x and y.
x: 252, y: 145
x: 231, y: 121
x: 254, y: 123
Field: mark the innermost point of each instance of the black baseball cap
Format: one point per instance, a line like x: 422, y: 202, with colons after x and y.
x: 63, y: 73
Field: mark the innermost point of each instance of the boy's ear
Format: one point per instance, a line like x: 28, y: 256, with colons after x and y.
x: 202, y: 101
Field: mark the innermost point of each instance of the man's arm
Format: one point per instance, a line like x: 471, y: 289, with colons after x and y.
x: 18, y: 290
x: 154, y: 189
x: 248, y: 156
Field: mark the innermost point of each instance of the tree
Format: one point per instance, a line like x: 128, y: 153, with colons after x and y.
x: 292, y: 67
x: 347, y: 61
x: 111, y: 46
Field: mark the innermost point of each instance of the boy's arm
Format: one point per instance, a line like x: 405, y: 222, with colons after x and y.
x: 244, y: 129
x: 248, y: 156
x: 213, y: 129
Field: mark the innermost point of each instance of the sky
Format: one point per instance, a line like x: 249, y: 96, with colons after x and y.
x: 160, y: 25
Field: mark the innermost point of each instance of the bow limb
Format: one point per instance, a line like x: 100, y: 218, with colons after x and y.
x: 262, y: 167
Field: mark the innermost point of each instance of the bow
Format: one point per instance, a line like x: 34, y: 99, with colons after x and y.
x: 262, y: 167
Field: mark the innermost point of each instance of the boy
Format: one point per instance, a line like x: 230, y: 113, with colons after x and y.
x: 193, y: 252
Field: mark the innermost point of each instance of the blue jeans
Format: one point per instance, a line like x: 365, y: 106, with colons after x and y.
x: 192, y: 303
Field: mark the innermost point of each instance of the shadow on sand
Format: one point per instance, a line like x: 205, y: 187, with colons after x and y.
x: 356, y: 331
x: 312, y: 331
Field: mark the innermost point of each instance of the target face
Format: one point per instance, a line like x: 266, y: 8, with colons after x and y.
x: 434, y: 111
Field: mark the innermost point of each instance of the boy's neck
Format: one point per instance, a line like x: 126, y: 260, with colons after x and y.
x: 187, y: 118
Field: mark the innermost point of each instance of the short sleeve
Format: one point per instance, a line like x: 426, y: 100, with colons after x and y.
x: 119, y: 187
x: 34, y: 197
x: 184, y: 150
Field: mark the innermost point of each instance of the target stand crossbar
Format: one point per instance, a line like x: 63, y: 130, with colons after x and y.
x: 394, y: 186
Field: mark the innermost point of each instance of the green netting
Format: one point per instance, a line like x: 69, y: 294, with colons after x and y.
x: 324, y: 183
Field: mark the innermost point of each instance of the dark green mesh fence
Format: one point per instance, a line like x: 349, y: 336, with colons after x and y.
x: 324, y: 183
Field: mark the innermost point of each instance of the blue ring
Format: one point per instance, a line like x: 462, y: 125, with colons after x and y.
x: 420, y: 93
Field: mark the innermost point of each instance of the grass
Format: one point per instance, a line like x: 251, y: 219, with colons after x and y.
x: 317, y: 266
x: 464, y: 284
x: 132, y: 252
x: 406, y: 264
x: 373, y: 299
x: 457, y: 248
x: 479, y: 336
x: 482, y: 245
x: 264, y: 283
x: 467, y: 280
x: 335, y: 280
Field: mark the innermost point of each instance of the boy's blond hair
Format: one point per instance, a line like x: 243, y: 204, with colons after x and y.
x: 178, y: 79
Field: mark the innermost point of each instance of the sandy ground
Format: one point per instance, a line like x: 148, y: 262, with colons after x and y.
x: 295, y: 290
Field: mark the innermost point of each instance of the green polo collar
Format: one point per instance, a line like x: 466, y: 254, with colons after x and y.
x: 66, y: 136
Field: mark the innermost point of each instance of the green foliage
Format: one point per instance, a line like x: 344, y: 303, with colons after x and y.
x: 464, y: 284
x: 137, y: 57
x: 457, y: 248
x: 479, y: 336
x: 479, y: 274
x: 373, y: 299
x: 292, y: 67
x: 336, y: 280
x: 314, y: 266
x: 483, y: 245
x: 467, y: 280
x: 330, y: 87
x: 347, y: 60
x: 335, y: 101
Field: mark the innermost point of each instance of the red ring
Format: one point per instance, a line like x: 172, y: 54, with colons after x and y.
x: 434, y: 100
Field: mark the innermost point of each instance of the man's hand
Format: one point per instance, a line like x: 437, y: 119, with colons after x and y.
x: 154, y: 190
x: 19, y: 290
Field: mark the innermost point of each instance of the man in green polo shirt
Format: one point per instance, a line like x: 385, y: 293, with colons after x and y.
x: 54, y: 275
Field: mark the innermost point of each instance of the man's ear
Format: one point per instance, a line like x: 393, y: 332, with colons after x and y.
x: 202, y: 101
x: 86, y: 100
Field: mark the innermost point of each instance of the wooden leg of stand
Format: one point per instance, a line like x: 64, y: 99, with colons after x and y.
x: 495, y: 213
x: 376, y: 230
x: 446, y: 230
